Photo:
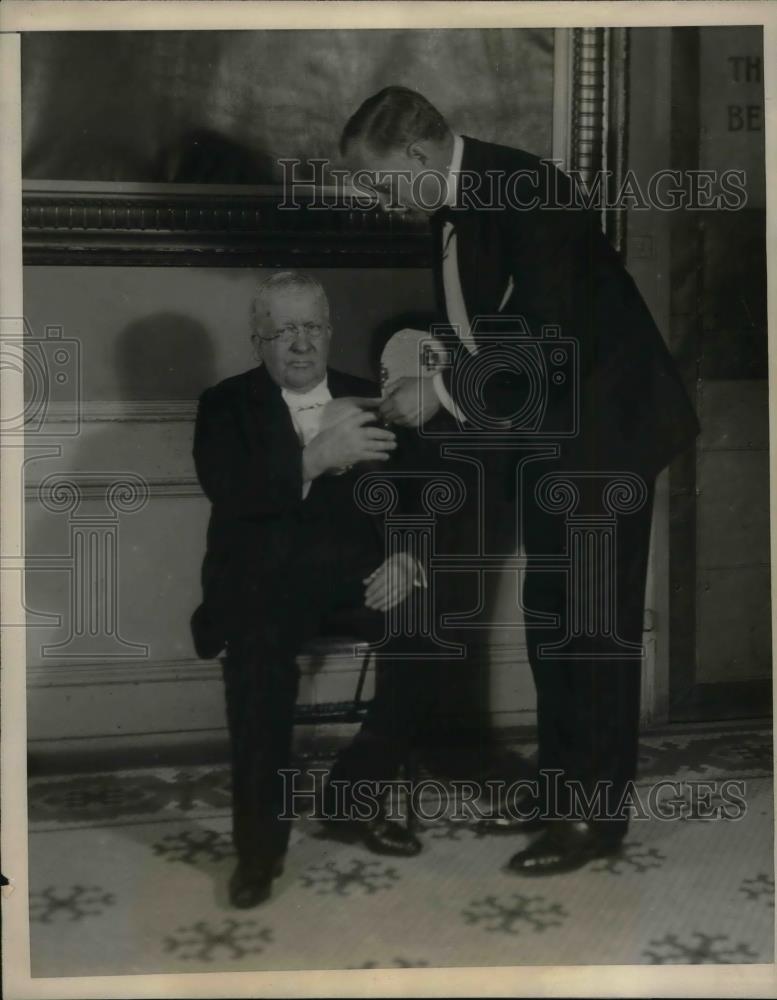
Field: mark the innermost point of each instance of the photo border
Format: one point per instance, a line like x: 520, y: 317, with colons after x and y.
x: 37, y: 15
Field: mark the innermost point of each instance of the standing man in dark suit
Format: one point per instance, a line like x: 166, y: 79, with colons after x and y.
x: 278, y: 450
x: 517, y: 262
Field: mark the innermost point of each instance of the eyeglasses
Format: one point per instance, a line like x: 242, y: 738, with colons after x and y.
x: 288, y: 334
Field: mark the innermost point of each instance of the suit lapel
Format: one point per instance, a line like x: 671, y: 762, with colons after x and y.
x: 266, y: 418
x: 436, y: 225
x: 336, y: 384
x: 339, y: 386
x: 482, y: 263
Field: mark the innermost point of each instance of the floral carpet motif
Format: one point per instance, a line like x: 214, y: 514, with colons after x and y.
x: 129, y: 872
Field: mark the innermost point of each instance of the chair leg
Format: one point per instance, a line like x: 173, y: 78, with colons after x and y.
x: 367, y: 659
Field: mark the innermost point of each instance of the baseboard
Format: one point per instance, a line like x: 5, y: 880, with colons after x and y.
x: 750, y: 699
x: 98, y: 715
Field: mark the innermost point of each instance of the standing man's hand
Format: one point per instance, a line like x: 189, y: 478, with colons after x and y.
x: 410, y: 402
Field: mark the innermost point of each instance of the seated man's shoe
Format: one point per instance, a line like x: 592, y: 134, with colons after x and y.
x: 381, y: 836
x: 499, y: 823
x: 341, y: 830
x: 517, y: 816
x: 248, y: 889
x: 565, y: 846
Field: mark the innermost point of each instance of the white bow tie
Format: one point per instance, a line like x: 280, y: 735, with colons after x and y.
x: 318, y: 396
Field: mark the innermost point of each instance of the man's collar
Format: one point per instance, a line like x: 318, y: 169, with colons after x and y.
x: 318, y: 394
x: 263, y: 388
x: 453, y: 172
x: 444, y: 212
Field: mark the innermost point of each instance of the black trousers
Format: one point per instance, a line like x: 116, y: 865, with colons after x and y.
x: 588, y: 687
x: 261, y: 681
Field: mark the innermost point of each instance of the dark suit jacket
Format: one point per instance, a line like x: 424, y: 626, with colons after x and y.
x: 634, y: 411
x: 261, y: 532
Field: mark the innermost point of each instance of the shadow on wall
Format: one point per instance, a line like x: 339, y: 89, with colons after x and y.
x: 204, y: 156
x: 145, y: 596
x: 164, y: 356
x: 201, y: 156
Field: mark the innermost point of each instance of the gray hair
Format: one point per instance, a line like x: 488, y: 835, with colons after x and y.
x: 280, y: 281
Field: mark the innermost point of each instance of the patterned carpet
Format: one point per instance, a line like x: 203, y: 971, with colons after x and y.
x: 129, y: 871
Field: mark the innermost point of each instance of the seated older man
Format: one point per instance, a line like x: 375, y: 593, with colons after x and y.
x: 278, y: 450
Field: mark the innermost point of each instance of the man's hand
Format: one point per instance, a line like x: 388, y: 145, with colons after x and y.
x: 345, y: 406
x: 354, y: 438
x: 390, y: 583
x: 410, y: 402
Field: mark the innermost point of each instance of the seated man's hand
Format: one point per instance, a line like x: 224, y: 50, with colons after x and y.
x: 410, y: 402
x: 354, y: 438
x: 391, y: 582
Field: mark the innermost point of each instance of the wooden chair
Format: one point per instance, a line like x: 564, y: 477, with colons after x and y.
x: 352, y: 710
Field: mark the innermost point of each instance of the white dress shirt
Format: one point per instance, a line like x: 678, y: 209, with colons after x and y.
x: 307, y: 411
x: 455, y: 305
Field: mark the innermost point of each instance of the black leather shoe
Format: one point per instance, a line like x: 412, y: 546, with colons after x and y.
x: 564, y: 847
x: 501, y: 822
x: 513, y: 817
x: 380, y: 835
x: 248, y: 889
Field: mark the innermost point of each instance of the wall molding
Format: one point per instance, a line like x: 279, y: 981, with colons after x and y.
x: 331, y: 656
x: 101, y: 714
x: 100, y: 672
x: 598, y: 127
x: 96, y: 486
x: 118, y: 224
x: 153, y: 411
